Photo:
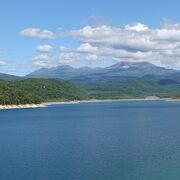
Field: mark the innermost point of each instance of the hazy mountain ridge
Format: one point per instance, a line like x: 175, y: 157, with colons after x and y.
x: 8, y: 77
x: 125, y: 69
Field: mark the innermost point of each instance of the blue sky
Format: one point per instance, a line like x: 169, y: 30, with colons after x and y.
x: 19, y: 52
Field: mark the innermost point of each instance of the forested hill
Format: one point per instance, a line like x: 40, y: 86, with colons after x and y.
x: 12, y: 94
x: 34, y: 91
x: 52, y: 89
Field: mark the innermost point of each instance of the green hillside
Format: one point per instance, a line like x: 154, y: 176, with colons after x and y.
x: 8, y: 77
x: 12, y: 94
x: 133, y: 87
x: 52, y: 89
x: 32, y: 91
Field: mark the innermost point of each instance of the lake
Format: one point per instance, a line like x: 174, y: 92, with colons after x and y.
x: 133, y: 140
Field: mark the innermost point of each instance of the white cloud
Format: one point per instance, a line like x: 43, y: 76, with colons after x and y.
x: 41, y: 57
x: 68, y: 57
x: 37, y: 33
x: 46, y: 61
x: 45, y: 34
x: 42, y: 60
x: 64, y: 49
x: 87, y: 48
x: 114, y: 37
x: 2, y: 63
x: 124, y: 54
x: 133, y: 42
x: 167, y: 34
x: 30, y: 32
x: 92, y: 57
x: 136, y: 27
x: 44, y: 48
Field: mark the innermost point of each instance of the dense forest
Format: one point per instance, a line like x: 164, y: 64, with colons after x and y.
x: 12, y: 94
x: 32, y: 91
x: 130, y: 87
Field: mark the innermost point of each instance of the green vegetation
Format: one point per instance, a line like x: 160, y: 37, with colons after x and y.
x: 133, y: 87
x: 52, y: 89
x: 34, y: 91
x: 12, y: 94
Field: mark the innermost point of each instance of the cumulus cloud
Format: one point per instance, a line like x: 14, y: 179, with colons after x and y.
x: 133, y: 42
x: 44, y: 48
x: 46, y: 61
x: 87, y: 48
x: 124, y: 54
x: 37, y: 33
x: 113, y: 37
x: 68, y: 58
x: 136, y: 27
x: 42, y: 60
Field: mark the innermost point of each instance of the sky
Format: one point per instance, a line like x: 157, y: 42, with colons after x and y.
x: 97, y: 33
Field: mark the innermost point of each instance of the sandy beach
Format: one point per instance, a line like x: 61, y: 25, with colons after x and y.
x: 21, y: 106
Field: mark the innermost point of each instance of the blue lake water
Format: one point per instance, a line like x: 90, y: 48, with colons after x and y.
x: 137, y: 140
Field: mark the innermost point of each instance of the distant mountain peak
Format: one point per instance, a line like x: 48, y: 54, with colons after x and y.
x: 120, y: 69
x: 64, y: 67
x: 127, y: 64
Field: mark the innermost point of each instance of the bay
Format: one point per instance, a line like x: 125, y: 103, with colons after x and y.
x: 132, y: 140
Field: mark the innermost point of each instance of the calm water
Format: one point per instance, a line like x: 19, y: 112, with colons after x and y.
x: 95, y: 141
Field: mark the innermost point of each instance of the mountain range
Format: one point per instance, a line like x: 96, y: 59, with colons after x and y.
x: 121, y: 80
x: 121, y: 69
x: 8, y: 77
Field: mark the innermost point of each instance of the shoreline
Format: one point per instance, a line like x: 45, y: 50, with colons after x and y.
x: 46, y: 104
x: 21, y: 106
x: 98, y: 100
